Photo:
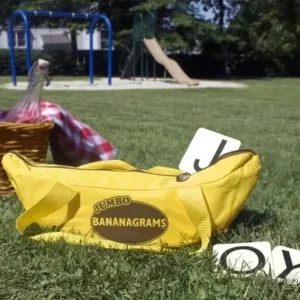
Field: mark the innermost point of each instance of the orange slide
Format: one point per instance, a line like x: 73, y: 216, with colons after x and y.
x: 171, y: 65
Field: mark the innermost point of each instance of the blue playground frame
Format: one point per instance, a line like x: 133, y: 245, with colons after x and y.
x: 94, y: 19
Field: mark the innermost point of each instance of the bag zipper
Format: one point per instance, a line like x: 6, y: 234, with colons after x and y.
x: 181, y: 177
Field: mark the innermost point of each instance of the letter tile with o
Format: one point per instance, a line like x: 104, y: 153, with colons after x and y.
x: 247, y: 259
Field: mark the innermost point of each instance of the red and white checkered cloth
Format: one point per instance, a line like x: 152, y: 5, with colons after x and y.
x: 72, y: 139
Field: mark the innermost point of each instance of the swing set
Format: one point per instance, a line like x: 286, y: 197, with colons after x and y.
x: 25, y: 15
x: 80, y: 63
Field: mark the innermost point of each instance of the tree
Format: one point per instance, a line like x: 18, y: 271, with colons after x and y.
x: 120, y: 15
x: 239, y: 33
x: 118, y: 12
x: 176, y: 27
x: 267, y: 31
x: 7, y: 8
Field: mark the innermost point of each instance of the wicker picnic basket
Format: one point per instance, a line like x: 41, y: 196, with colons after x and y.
x: 29, y: 139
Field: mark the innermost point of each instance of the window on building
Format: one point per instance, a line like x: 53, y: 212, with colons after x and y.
x: 19, y: 41
x: 103, y: 38
x: 104, y: 44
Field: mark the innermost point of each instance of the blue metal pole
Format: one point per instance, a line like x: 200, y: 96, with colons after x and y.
x: 28, y: 45
x: 91, y: 66
x: 11, y: 43
x: 109, y: 60
x: 69, y: 15
x: 12, y: 51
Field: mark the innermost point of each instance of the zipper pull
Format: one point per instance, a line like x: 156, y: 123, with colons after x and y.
x: 183, y: 177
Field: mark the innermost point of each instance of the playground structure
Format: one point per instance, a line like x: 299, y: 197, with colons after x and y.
x: 144, y: 35
x: 143, y: 25
x: 25, y: 15
x: 143, y: 44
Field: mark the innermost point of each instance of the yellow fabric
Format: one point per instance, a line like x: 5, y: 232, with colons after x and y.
x: 115, y: 205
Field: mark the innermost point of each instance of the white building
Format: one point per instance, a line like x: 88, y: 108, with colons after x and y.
x: 54, y: 38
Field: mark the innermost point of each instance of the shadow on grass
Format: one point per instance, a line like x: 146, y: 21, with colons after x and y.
x: 250, y: 218
x: 247, y: 221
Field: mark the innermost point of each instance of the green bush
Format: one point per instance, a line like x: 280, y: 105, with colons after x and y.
x: 62, y: 62
x: 209, y: 64
x: 4, y: 62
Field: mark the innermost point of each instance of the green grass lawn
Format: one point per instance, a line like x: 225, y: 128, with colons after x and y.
x: 154, y: 128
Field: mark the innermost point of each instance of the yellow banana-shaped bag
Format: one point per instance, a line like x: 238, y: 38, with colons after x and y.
x: 113, y: 204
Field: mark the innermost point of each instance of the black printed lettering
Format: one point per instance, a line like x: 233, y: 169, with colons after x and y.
x: 214, y: 159
x: 259, y: 254
x: 289, y: 265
